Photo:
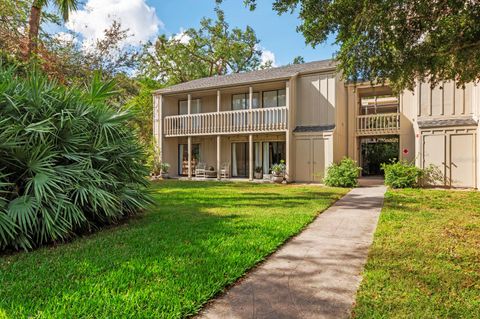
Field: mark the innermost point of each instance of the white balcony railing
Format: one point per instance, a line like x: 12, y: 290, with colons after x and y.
x: 231, y: 122
x: 375, y: 124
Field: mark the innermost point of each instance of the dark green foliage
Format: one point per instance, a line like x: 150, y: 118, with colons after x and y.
x: 395, y: 40
x: 343, y: 174
x: 375, y: 154
x: 402, y: 174
x: 68, y: 161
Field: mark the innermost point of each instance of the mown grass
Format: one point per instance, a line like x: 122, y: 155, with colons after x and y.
x: 198, y: 238
x: 425, y: 259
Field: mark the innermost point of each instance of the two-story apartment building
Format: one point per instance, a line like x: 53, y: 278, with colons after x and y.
x: 307, y: 116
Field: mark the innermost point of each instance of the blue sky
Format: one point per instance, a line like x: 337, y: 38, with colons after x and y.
x: 146, y: 19
x: 277, y: 33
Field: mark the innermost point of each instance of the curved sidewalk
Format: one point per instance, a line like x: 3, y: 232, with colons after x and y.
x: 317, y: 273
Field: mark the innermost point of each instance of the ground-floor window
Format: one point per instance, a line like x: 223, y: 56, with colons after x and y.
x: 266, y: 154
x: 378, y: 150
x: 183, y: 158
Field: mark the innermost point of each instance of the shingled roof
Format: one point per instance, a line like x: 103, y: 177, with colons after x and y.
x: 278, y: 73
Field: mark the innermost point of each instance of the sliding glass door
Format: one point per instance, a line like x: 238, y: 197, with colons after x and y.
x: 240, y: 160
x: 272, y: 153
x: 183, y: 158
x: 266, y: 154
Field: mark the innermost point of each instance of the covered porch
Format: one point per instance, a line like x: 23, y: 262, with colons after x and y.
x: 244, y: 156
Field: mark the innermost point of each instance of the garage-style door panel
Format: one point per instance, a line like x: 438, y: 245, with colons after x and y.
x: 434, y: 152
x: 302, y: 161
x: 318, y: 160
x: 462, y: 164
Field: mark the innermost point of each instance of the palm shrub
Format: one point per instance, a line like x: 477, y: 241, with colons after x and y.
x: 343, y: 174
x: 68, y: 161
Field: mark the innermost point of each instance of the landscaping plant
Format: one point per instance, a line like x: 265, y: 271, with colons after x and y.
x: 402, y: 174
x: 68, y: 161
x: 343, y: 174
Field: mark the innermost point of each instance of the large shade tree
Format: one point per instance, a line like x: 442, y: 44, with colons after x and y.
x: 395, y: 40
x: 212, y: 49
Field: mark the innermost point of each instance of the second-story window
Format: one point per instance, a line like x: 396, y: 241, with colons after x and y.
x: 195, y: 107
x: 275, y: 98
x: 240, y: 101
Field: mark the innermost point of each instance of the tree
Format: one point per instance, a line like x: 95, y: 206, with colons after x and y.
x: 64, y: 6
x: 298, y: 60
x: 213, y: 49
x: 395, y: 40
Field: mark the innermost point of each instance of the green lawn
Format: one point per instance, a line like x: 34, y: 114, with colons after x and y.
x: 425, y: 260
x: 198, y: 238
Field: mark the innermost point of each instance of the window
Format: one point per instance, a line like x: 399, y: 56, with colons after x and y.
x: 183, y: 158
x: 274, y: 98
x: 195, y: 107
x: 240, y: 101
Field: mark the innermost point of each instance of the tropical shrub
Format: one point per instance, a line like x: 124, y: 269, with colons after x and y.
x: 343, y: 174
x: 68, y: 161
x: 402, y: 174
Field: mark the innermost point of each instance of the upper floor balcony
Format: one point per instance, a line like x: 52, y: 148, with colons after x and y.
x: 247, y: 121
x: 378, y: 116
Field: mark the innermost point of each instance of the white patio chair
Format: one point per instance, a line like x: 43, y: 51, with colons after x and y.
x: 225, y: 170
x: 201, y: 170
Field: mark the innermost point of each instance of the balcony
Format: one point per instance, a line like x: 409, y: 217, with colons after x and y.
x: 378, y: 124
x: 262, y: 120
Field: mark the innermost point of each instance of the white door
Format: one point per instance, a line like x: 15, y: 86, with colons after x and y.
x: 303, y: 161
x: 462, y: 160
x: 434, y: 152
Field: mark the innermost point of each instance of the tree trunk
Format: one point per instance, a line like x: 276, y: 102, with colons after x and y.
x: 33, y: 29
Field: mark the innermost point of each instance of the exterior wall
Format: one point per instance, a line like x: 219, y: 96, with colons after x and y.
x: 322, y: 99
x: 315, y: 102
x: 445, y: 100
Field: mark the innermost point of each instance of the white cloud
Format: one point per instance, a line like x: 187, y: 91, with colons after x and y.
x: 267, y: 55
x: 182, y: 37
x: 98, y: 15
x: 65, y: 37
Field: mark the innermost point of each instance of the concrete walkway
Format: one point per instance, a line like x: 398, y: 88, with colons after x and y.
x: 314, y: 275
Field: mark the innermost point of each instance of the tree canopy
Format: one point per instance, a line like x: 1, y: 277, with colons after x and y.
x: 212, y: 49
x: 395, y: 40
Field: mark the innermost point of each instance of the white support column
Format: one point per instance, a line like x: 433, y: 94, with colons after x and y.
x: 250, y: 107
x: 189, y: 157
x: 250, y: 157
x: 189, y: 111
x: 218, y: 136
x: 250, y: 137
x: 288, y: 139
x: 218, y: 156
x: 250, y: 97
x: 160, y: 128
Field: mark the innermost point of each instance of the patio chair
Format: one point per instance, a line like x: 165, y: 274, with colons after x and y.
x: 201, y: 170
x: 225, y: 170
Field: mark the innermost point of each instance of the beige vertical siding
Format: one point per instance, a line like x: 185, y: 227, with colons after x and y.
x: 316, y: 100
x: 445, y: 99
